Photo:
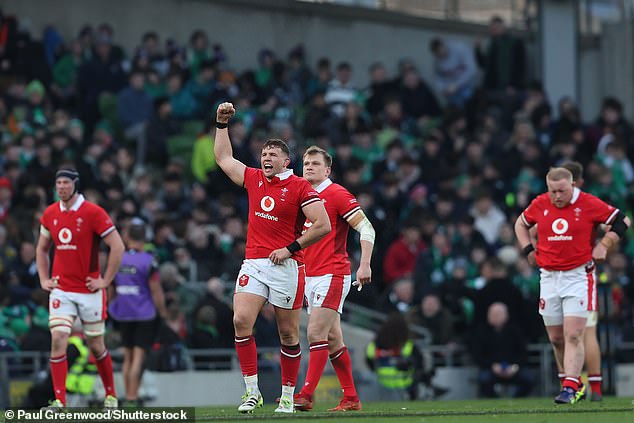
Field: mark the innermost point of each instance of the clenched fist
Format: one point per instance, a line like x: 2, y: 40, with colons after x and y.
x: 225, y: 112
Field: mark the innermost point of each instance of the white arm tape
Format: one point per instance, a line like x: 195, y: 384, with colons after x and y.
x: 366, y: 230
x: 44, y: 232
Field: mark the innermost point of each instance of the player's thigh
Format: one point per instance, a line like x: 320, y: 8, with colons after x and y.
x: 327, y: 291
x: 320, y: 322
x: 62, y: 315
x: 250, y: 294
x: 286, y: 285
x: 550, y: 306
x: 91, y: 306
x: 575, y: 290
x: 252, y: 279
x: 61, y: 303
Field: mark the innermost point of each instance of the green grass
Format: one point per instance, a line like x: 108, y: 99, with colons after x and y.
x: 472, y: 411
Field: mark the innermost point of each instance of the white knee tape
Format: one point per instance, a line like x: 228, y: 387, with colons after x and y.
x: 93, y: 329
x: 61, y: 323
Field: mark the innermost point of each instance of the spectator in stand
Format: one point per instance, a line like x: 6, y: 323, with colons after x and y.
x: 215, y: 298
x: 504, y: 61
x: 8, y: 43
x: 455, y: 71
x: 161, y: 126
x: 102, y: 73
x: 612, y: 121
x: 150, y: 50
x: 23, y: 277
x: 499, y: 288
x: 432, y: 315
x: 198, y: 51
x: 499, y: 348
x: 135, y: 109
x: 6, y: 195
x: 202, y: 87
x: 181, y: 98
x: 205, y: 335
x: 399, y: 298
x: 65, y: 70
x: 417, y: 99
x: 400, y: 258
x: 379, y: 89
x: 319, y: 82
x: 340, y: 90
x: 487, y: 217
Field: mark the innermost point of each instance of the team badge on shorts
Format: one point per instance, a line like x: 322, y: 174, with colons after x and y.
x: 542, y: 303
x: 56, y: 303
x: 244, y: 280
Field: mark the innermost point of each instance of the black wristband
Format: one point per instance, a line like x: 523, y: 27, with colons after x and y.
x: 293, y: 247
x: 221, y: 125
x: 527, y: 250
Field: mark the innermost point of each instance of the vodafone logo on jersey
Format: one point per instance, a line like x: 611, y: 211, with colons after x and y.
x: 560, y: 227
x: 65, y: 236
x: 267, y: 203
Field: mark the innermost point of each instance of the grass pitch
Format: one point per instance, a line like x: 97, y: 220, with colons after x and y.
x: 542, y: 410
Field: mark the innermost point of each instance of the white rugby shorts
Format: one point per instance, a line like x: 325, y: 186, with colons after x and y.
x: 328, y: 291
x: 567, y: 293
x: 89, y: 307
x: 281, y: 284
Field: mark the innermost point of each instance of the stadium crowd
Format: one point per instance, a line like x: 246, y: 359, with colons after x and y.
x: 442, y: 164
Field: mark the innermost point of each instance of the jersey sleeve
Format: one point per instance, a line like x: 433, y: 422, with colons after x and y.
x: 308, y: 195
x: 346, y: 203
x: 44, y: 220
x: 102, y: 223
x: 532, y: 212
x: 602, y: 212
x: 250, y: 176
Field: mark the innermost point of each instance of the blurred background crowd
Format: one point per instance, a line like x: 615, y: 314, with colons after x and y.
x: 442, y: 166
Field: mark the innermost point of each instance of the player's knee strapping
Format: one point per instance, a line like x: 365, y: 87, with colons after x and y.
x: 92, y: 329
x: 60, y: 323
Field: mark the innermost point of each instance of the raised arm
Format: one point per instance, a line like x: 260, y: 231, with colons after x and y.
x: 233, y: 168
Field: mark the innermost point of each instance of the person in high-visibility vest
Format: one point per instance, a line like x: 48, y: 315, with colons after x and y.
x: 82, y: 373
x: 395, y: 358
